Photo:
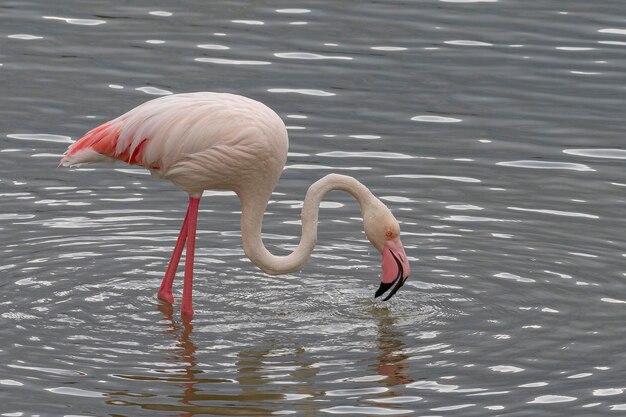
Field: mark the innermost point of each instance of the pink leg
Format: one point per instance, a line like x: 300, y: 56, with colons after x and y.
x: 165, y: 291
x: 192, y: 219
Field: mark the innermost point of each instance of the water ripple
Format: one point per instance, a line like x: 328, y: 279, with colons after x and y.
x: 534, y: 385
x: 545, y: 165
x: 76, y: 392
x: 452, y: 407
x: 72, y: 21
x: 213, y: 46
x: 11, y: 382
x: 154, y: 91
x: 403, y: 399
x: 463, y: 42
x: 224, y: 61
x: 375, y: 411
x: 367, y: 137
x: 598, y: 153
x: 160, y: 13
x: 315, y: 166
x: 356, y: 391
x: 388, y: 48
x: 612, y: 300
x: 620, y: 43
x: 305, y: 91
x: 573, y: 48
x: 436, y: 386
x: 506, y: 368
x: 438, y: 177
x: 41, y: 137
x: 435, y: 119
x: 477, y: 219
x: 293, y: 11
x: 463, y: 207
x: 382, y: 155
x: 556, y: 212
x: 613, y: 31
x: 513, y: 277
x: 54, y: 371
x: 551, y: 399
x: 306, y: 55
x: 603, y: 392
x: 24, y: 36
x: 249, y: 22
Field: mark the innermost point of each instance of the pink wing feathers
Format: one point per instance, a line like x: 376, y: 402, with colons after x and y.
x: 103, y: 142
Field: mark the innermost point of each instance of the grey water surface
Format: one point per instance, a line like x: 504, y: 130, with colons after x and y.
x: 494, y: 130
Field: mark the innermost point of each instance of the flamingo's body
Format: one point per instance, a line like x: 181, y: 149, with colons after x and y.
x: 205, y: 141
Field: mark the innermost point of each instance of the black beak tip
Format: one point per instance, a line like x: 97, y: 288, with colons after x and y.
x: 384, y: 287
x: 396, y: 284
x: 399, y: 284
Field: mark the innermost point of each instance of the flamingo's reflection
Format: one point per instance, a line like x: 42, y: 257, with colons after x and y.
x: 264, y: 379
x: 392, y: 359
x: 196, y: 397
x: 253, y: 394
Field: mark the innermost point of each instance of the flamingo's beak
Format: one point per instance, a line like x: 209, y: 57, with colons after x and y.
x: 396, y: 268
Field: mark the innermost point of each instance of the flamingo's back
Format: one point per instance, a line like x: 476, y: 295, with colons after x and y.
x: 197, y: 140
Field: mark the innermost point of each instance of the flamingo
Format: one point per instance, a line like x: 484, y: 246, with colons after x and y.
x: 201, y: 141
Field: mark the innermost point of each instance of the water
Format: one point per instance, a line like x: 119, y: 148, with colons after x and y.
x: 493, y: 129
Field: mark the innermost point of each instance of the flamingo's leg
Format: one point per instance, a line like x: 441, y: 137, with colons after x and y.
x: 192, y: 219
x: 165, y: 291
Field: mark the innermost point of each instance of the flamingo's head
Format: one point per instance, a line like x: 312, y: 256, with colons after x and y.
x: 383, y: 230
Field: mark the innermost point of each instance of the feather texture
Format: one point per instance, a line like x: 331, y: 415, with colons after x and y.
x: 197, y: 140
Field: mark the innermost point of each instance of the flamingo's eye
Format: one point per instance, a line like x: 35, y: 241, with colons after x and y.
x: 389, y: 234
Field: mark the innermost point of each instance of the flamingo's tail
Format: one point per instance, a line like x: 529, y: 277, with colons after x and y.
x: 97, y: 145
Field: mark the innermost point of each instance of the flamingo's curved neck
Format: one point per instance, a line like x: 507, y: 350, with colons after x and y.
x: 253, y: 208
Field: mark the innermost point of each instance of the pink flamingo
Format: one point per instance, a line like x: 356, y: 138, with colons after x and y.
x: 202, y: 141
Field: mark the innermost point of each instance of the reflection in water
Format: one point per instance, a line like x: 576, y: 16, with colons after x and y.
x: 392, y: 361
x: 265, y: 380
x: 255, y: 382
x: 186, y: 354
x: 190, y: 378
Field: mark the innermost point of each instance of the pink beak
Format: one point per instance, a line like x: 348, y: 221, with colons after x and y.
x: 396, y: 268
